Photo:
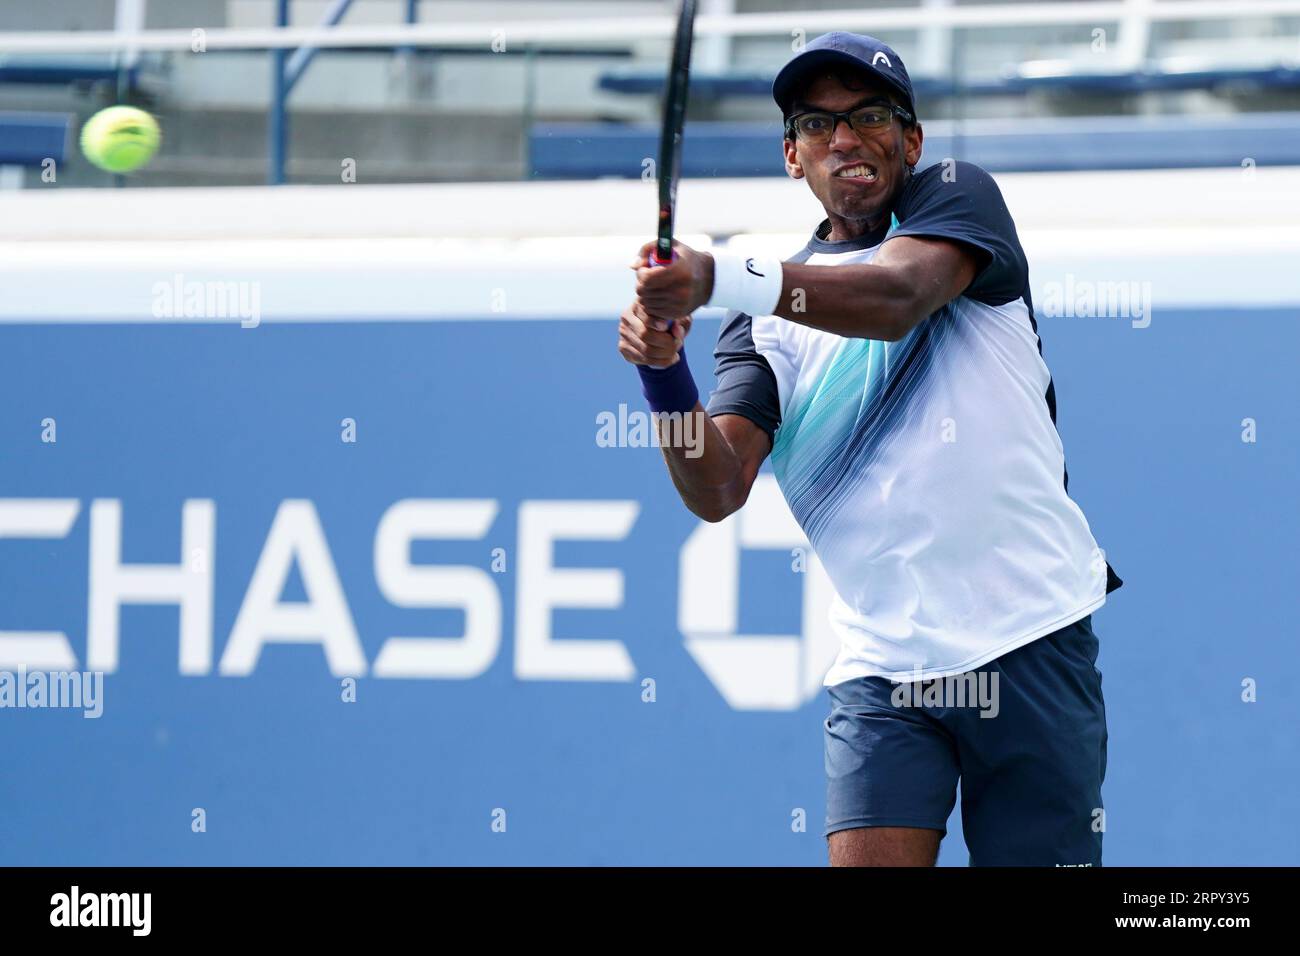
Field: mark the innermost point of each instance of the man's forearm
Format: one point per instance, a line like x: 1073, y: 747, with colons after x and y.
x: 705, y: 469
x: 908, y: 280
x: 856, y: 301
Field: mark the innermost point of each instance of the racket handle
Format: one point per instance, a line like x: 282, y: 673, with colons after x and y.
x: 654, y: 262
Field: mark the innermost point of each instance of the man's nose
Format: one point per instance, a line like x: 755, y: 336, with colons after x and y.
x: 843, y: 136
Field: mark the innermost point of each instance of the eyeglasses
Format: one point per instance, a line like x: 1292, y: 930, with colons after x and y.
x: 818, y: 126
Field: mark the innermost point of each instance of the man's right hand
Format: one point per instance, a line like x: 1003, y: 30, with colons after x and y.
x: 646, y: 341
x: 715, y: 476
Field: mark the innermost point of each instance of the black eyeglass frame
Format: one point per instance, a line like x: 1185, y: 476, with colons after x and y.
x: 907, y: 118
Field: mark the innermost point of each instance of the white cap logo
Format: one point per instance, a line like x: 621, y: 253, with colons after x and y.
x: 880, y: 55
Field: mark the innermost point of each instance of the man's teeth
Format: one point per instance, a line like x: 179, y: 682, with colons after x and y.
x: 866, y: 172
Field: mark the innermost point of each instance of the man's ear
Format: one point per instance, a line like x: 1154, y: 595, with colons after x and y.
x: 793, y: 168
x: 913, y: 136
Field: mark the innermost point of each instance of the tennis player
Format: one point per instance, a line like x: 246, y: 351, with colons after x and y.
x: 893, y: 373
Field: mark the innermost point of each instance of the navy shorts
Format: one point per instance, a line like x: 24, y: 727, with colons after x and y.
x: 1031, y: 771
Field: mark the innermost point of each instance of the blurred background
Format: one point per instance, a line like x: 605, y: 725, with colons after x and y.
x: 314, y: 395
x: 525, y: 90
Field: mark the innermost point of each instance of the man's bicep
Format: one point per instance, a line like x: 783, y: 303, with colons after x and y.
x: 963, y: 205
x: 749, y: 442
x: 745, y: 405
x: 938, y: 270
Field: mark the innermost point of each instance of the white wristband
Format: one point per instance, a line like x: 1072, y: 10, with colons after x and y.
x: 749, y: 284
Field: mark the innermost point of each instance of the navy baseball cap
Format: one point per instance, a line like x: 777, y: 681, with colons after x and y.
x: 831, y: 50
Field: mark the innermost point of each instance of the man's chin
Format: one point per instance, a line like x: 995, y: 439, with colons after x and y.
x: 869, y: 215
x: 871, y: 206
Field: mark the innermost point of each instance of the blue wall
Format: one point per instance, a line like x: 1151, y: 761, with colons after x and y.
x: 1041, y: 144
x: 1202, y: 526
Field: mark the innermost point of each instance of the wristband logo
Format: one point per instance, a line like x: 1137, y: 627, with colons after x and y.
x: 733, y: 287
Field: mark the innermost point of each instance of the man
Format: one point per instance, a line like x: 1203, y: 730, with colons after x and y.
x: 893, y: 372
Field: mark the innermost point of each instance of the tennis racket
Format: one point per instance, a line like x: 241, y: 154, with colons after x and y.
x: 670, y: 140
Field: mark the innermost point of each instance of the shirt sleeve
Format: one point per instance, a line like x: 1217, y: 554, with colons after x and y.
x: 961, y: 202
x: 746, y: 384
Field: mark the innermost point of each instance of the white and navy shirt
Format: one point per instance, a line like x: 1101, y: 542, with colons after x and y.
x: 927, y: 473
